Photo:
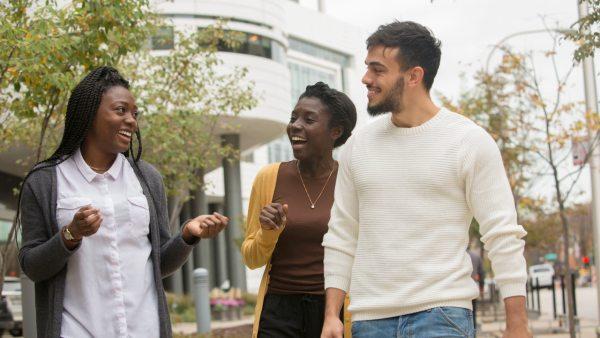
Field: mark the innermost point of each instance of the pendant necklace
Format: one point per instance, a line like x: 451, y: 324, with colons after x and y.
x: 312, y: 204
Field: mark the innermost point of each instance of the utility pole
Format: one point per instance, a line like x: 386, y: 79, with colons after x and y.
x: 591, y: 107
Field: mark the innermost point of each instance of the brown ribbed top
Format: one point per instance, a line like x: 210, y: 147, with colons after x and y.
x: 297, y: 261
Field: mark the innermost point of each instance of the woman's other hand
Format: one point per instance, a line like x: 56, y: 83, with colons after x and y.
x: 86, y: 222
x: 204, y: 226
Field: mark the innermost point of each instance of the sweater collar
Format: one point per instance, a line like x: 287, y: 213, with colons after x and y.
x: 429, y: 124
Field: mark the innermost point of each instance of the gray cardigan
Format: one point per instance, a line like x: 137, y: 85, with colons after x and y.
x: 44, y: 257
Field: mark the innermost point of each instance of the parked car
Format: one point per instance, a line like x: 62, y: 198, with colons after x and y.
x: 542, y: 273
x: 11, y: 311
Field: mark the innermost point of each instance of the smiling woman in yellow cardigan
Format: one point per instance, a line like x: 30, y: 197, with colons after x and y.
x: 288, y: 214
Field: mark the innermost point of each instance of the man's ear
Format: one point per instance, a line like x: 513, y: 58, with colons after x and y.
x: 415, y: 76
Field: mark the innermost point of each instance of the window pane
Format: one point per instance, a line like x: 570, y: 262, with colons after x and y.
x: 302, y: 76
x: 319, y: 52
x: 280, y: 150
x: 164, y: 39
x: 254, y: 44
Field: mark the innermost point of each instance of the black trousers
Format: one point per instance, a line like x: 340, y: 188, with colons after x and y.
x: 297, y: 316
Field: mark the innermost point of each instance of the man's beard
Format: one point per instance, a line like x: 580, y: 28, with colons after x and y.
x: 391, y: 102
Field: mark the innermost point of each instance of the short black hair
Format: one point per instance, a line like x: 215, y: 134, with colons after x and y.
x: 339, y: 105
x: 416, y: 43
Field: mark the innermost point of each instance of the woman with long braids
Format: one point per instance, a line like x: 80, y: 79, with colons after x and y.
x: 288, y: 214
x: 95, y: 238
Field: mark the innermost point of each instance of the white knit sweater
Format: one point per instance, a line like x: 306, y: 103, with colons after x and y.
x: 404, y: 200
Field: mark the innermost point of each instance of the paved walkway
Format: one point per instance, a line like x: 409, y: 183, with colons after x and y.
x: 544, y: 326
x: 492, y: 327
x: 229, y: 329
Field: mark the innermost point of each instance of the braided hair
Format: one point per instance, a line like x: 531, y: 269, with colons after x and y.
x: 341, y: 108
x: 82, y: 107
x: 81, y: 111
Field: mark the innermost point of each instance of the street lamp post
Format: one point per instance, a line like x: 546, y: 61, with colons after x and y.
x: 591, y: 106
x: 508, y: 37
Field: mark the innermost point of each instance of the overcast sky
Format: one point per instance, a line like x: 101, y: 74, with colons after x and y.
x: 468, y: 29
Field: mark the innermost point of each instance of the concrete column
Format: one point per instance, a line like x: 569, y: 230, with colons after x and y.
x: 220, y: 254
x: 233, y: 209
x: 321, y: 5
x: 28, y: 306
x: 203, y: 251
x: 174, y: 283
x: 188, y: 267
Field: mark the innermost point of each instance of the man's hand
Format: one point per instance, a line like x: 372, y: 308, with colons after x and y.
x: 516, y: 318
x: 332, y: 327
x: 517, y: 333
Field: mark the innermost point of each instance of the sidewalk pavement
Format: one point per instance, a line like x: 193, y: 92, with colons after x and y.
x: 233, y: 329
x: 543, y: 327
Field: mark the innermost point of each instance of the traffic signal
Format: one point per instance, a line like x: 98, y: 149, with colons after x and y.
x: 586, y: 261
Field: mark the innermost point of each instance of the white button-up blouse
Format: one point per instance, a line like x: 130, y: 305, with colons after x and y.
x: 109, y: 290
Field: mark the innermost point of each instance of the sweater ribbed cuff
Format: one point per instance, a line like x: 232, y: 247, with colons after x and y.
x: 66, y: 251
x: 269, y: 236
x: 195, y: 240
x: 338, y: 282
x: 513, y: 289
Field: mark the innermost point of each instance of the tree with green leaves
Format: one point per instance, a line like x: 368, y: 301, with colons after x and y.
x: 186, y: 94
x: 587, y: 31
x: 46, y: 49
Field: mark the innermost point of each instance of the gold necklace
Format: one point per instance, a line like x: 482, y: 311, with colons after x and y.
x: 312, y: 204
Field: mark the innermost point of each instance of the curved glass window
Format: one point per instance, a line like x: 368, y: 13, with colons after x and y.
x: 254, y: 44
x: 318, y: 51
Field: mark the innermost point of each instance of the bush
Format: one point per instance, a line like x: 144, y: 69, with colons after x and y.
x: 181, y: 308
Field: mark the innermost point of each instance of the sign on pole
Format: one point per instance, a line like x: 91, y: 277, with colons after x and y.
x: 579, y: 150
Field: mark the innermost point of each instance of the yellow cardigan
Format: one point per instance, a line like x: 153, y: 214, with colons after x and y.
x: 258, y: 245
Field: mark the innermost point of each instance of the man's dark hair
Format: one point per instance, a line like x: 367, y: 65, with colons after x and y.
x: 416, y: 43
x: 339, y: 105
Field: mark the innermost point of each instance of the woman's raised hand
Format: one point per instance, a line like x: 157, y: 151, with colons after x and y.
x: 273, y: 216
x: 205, y: 226
x: 86, y: 222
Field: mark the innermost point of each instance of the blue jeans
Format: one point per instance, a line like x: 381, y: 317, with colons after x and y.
x: 436, y: 322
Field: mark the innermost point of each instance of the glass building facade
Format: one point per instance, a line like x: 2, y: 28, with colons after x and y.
x: 311, y: 63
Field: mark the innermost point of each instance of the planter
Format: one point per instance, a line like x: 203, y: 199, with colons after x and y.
x: 218, y: 315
